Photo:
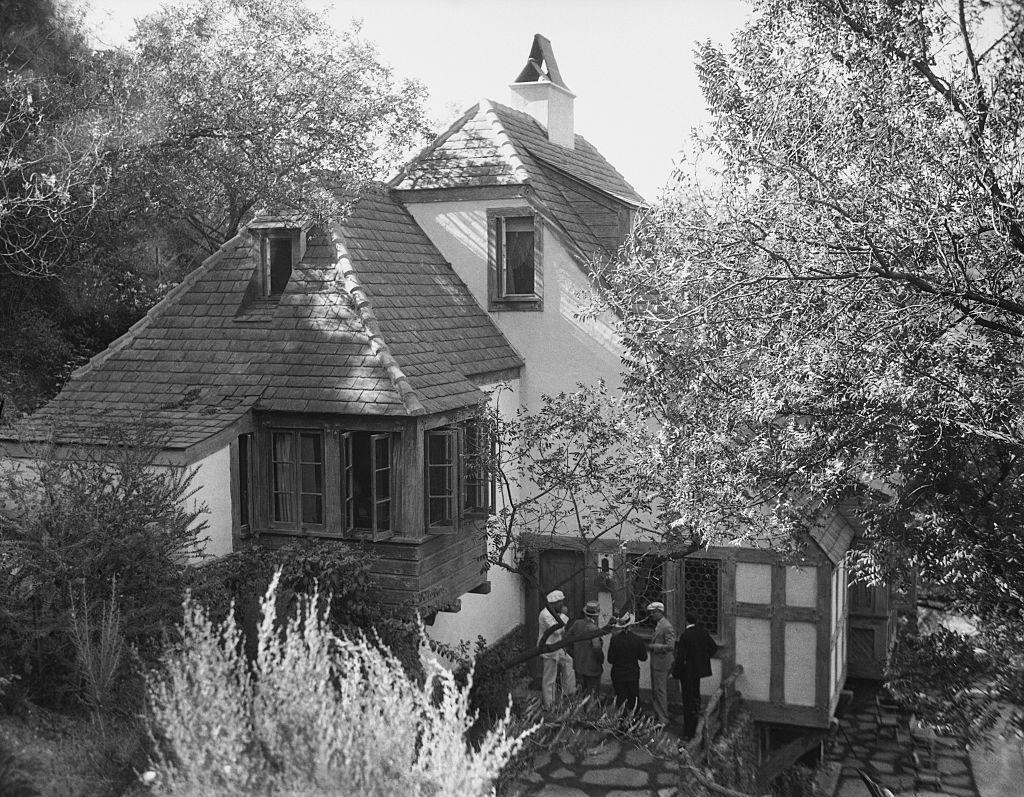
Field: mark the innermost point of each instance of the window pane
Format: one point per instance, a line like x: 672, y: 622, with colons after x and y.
x: 279, y: 253
x: 383, y: 484
x: 283, y: 450
x: 384, y: 516
x: 648, y: 581
x: 440, y: 481
x: 309, y: 446
x: 284, y: 507
x: 312, y: 478
x: 439, y: 449
x: 440, y: 510
x: 518, y: 260
x: 312, y: 509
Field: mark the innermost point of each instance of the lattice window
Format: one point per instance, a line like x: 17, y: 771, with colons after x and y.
x: 702, y: 591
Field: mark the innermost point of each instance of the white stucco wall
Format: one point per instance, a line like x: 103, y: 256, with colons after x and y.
x: 214, y: 482
x: 559, y: 349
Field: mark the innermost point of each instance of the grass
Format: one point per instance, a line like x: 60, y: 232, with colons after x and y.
x: 70, y: 756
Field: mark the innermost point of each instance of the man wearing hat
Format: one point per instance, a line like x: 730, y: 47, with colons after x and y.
x: 587, y: 654
x: 625, y: 652
x: 556, y: 662
x: 661, y: 647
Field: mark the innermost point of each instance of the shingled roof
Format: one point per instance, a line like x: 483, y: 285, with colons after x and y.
x: 373, y: 321
x: 494, y: 145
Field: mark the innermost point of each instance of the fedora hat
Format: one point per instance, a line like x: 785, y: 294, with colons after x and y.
x: 592, y: 609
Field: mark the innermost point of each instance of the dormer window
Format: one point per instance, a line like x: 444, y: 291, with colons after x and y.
x: 515, y: 260
x: 279, y: 250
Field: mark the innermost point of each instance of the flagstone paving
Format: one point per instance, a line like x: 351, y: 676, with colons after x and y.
x: 609, y: 769
x: 887, y: 756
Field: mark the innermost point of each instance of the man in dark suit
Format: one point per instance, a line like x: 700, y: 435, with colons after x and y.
x: 693, y: 662
x: 625, y: 652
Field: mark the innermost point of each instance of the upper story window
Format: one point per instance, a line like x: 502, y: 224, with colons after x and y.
x: 279, y: 252
x: 515, y: 259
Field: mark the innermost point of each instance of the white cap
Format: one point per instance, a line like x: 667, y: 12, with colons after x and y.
x: 555, y: 596
x: 655, y: 605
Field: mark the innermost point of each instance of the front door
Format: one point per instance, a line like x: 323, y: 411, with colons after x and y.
x: 557, y: 569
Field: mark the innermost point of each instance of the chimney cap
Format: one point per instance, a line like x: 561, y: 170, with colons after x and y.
x: 541, y: 65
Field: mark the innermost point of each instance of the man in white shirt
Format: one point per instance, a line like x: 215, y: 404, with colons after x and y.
x: 557, y: 662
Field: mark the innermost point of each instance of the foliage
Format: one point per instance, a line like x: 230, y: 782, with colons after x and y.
x: 317, y: 712
x: 583, y: 465
x: 99, y: 651
x: 77, y: 518
x: 250, y: 104
x: 15, y: 778
x: 836, y: 320
x: 732, y: 758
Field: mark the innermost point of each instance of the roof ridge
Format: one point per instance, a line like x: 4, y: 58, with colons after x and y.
x: 505, y: 144
x: 119, y: 344
x: 364, y: 310
x: 579, y: 179
x: 453, y: 128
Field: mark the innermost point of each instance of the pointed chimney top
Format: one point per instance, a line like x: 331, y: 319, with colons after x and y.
x: 541, y: 64
x: 540, y: 91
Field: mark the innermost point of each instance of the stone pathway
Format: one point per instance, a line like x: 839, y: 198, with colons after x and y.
x: 888, y: 759
x: 610, y: 769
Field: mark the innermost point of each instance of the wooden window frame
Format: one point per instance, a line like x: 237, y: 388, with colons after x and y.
x: 300, y: 524
x: 497, y: 298
x: 293, y: 237
x: 451, y: 524
x: 375, y: 533
x: 247, y: 485
x: 474, y: 436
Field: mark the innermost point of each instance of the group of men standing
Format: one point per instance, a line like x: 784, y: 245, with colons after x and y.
x: 687, y: 657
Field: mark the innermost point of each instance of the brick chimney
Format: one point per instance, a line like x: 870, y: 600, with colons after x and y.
x: 540, y: 91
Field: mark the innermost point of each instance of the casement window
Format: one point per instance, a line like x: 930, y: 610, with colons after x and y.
x: 478, y: 481
x: 702, y: 591
x: 279, y: 250
x: 245, y: 474
x: 442, y: 485
x: 367, y: 484
x: 515, y: 259
x: 297, y: 478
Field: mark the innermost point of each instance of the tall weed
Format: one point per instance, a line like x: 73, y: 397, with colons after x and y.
x: 317, y: 714
x: 99, y: 649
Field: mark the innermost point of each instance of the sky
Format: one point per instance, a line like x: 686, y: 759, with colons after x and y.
x: 629, y: 62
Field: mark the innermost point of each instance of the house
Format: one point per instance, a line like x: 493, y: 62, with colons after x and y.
x: 325, y: 381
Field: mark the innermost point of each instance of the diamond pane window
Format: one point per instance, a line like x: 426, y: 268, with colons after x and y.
x: 702, y: 591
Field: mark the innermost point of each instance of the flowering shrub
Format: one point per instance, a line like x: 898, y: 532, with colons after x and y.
x: 316, y: 713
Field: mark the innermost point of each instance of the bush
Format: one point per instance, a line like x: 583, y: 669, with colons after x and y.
x: 76, y: 518
x: 316, y: 713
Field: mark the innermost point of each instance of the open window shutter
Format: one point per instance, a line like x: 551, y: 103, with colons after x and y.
x: 442, y: 485
x: 348, y: 508
x: 380, y: 464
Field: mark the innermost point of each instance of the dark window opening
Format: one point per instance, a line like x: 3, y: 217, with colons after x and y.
x: 297, y: 464
x: 244, y: 476
x: 515, y: 256
x: 279, y: 258
x: 367, y: 481
x: 648, y: 582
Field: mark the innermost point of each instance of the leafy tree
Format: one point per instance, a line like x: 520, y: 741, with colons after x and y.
x: 76, y: 523
x: 249, y: 104
x: 837, y: 316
